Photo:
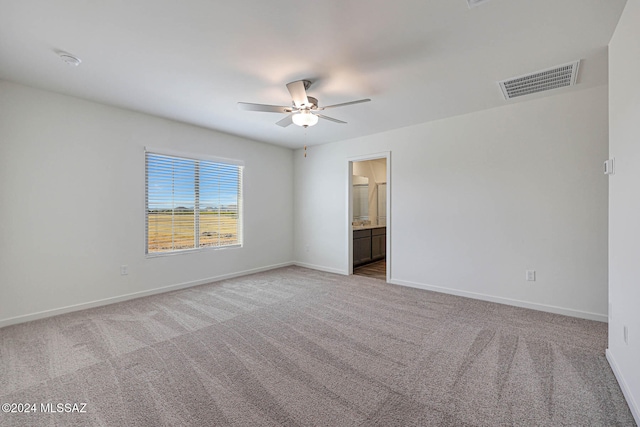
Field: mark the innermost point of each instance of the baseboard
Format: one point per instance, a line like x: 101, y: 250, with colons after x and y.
x: 633, y: 406
x: 507, y: 301
x: 320, y: 268
x: 126, y: 297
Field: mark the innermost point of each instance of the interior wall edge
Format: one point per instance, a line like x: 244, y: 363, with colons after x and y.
x: 633, y: 406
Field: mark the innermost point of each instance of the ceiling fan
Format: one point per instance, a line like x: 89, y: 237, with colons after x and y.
x: 304, y: 110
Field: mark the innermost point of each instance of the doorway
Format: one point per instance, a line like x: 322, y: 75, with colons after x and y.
x: 368, y: 219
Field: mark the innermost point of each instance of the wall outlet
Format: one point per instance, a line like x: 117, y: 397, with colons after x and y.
x: 625, y: 332
x: 530, y: 275
x: 124, y: 270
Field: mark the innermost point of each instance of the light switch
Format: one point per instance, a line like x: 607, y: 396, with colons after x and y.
x: 531, y: 275
x: 608, y: 167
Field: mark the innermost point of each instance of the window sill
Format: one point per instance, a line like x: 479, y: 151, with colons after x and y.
x: 191, y: 251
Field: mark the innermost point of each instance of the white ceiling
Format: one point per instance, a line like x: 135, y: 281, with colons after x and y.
x: 192, y: 60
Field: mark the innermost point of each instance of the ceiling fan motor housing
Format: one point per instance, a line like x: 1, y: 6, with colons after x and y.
x: 313, y: 103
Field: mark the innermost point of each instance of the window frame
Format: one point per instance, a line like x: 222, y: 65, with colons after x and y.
x: 196, y: 158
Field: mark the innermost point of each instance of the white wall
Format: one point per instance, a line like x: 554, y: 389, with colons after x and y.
x: 72, y: 203
x: 477, y: 200
x: 624, y: 204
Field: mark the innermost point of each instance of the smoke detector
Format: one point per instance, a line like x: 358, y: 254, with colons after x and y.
x: 551, y: 78
x: 69, y: 58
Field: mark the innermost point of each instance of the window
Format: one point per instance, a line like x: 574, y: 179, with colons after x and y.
x: 192, y: 203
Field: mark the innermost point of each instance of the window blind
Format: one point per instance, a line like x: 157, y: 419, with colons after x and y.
x: 191, y: 203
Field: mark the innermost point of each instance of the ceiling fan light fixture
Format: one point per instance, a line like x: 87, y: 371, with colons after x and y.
x: 304, y: 111
x: 304, y: 118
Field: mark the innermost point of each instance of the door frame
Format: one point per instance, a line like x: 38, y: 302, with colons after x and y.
x: 349, y: 214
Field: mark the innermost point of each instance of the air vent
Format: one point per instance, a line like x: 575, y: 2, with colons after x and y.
x: 552, y: 78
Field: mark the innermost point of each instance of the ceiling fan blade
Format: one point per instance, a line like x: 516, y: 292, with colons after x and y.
x: 298, y: 93
x: 263, y: 107
x: 330, y: 119
x: 286, y: 121
x: 344, y: 103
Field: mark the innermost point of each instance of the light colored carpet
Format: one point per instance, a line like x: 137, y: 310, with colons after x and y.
x: 298, y: 347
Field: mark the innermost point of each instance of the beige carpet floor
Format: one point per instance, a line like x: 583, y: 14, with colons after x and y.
x: 297, y: 347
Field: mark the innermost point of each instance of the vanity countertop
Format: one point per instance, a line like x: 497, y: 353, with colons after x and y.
x: 366, y: 227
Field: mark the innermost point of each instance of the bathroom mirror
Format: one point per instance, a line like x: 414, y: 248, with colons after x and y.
x: 360, y: 198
